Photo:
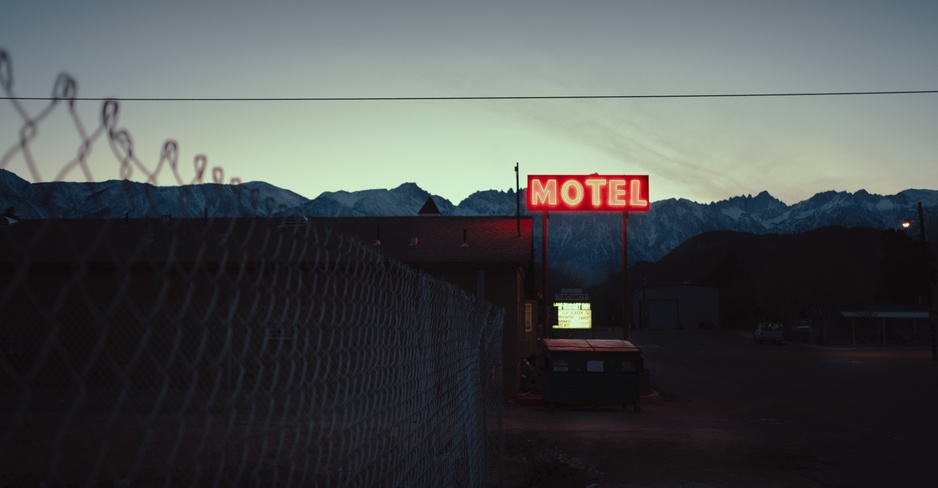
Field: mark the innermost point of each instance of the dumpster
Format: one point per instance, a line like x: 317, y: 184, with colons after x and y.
x: 591, y: 371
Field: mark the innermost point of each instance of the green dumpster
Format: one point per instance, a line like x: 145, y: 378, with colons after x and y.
x: 591, y: 371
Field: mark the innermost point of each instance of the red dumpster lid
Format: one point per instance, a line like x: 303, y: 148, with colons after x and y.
x: 590, y: 345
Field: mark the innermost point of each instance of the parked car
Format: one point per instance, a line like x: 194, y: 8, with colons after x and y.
x: 800, y: 331
x: 768, y: 332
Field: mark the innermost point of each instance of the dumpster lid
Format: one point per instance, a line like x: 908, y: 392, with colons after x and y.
x: 590, y: 345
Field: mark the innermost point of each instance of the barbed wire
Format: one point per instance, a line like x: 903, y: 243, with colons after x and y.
x: 65, y: 90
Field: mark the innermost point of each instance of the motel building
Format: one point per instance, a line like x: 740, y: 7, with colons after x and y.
x: 490, y: 257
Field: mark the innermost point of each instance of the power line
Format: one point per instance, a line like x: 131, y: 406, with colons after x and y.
x: 479, y: 98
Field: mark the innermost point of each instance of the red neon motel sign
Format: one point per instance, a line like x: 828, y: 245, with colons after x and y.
x: 587, y: 193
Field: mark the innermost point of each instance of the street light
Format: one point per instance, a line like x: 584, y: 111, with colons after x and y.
x: 926, y: 275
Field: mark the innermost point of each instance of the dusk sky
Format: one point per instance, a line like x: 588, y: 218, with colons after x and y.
x: 702, y: 149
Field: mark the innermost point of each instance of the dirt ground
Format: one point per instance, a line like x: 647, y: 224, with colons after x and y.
x: 725, y: 412
x: 601, y: 445
x: 534, y: 461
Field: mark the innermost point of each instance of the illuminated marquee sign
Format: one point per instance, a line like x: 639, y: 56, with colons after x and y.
x: 588, y: 193
x: 573, y: 315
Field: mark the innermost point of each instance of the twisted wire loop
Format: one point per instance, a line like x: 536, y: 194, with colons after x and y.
x: 217, y: 352
x: 65, y: 89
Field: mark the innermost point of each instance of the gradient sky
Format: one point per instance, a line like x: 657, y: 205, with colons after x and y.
x: 702, y: 149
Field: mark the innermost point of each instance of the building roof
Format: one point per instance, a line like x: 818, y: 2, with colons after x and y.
x: 922, y: 314
x: 590, y: 345
x: 884, y: 310
x: 52, y: 242
x: 421, y: 241
x: 429, y: 208
x: 443, y: 241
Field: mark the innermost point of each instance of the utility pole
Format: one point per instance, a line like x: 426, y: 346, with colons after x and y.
x: 518, y: 199
x: 544, y: 270
x: 929, y: 301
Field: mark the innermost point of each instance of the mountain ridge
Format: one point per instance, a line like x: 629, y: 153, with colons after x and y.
x: 586, y: 247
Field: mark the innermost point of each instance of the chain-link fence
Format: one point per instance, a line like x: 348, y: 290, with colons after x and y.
x: 235, y: 352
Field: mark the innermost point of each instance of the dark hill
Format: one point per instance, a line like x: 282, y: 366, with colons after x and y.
x: 812, y: 256
x: 764, y: 276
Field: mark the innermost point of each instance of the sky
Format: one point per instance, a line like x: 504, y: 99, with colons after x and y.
x: 702, y: 149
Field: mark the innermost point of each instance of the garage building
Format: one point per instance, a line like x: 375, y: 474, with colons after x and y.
x: 681, y: 306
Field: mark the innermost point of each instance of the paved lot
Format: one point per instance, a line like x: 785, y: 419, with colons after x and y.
x: 733, y: 413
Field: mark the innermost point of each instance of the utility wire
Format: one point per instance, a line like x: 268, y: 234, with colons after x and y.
x: 472, y: 98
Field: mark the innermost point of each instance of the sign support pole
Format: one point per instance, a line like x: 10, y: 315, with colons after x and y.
x: 929, y: 301
x: 588, y: 193
x: 544, y: 292
x: 625, y: 276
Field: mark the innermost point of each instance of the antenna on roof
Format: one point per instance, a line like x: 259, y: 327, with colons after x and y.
x: 518, y: 199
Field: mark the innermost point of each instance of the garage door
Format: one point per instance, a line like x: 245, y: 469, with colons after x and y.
x: 662, y: 314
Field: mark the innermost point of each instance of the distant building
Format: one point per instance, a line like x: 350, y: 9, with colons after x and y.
x: 676, y: 307
x: 873, y: 325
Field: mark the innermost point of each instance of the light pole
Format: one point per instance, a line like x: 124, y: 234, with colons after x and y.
x: 929, y: 301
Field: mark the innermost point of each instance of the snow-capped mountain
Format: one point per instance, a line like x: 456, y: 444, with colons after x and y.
x: 585, y: 247
x: 122, y: 198
x: 403, y: 200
